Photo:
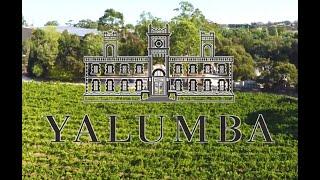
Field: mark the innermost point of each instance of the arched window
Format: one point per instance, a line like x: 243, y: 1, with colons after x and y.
x: 222, y: 69
x: 207, y: 68
x: 158, y: 73
x: 95, y: 68
x: 178, y: 85
x: 193, y: 68
x: 221, y: 85
x: 109, y: 69
x: 207, y: 85
x: 178, y: 68
x: 139, y: 69
x: 138, y: 85
x: 192, y: 85
x: 124, y: 85
x: 109, y: 85
x: 124, y: 69
x: 207, y: 50
x: 95, y: 85
x: 109, y: 51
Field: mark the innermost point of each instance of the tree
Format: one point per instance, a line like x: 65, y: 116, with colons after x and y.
x: 70, y: 23
x: 198, y: 18
x: 52, y: 23
x: 91, y: 45
x: 146, y: 18
x: 37, y: 70
x: 43, y: 51
x: 284, y: 73
x: 191, y: 17
x: 281, y: 30
x: 185, y: 9
x: 279, y: 75
x: 129, y: 27
x: 293, y: 55
x: 110, y: 20
x: 87, y: 23
x: 187, y: 12
x: 273, y: 31
x: 266, y: 47
x: 132, y: 46
x: 185, y: 40
x: 263, y: 65
x: 243, y: 63
x: 69, y: 59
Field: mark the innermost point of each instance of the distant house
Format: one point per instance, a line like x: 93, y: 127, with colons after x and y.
x: 76, y: 30
x: 257, y: 71
x: 246, y: 85
x: 224, y: 26
x: 26, y: 33
x: 238, y: 25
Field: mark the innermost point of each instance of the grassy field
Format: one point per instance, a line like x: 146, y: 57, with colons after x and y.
x: 43, y: 159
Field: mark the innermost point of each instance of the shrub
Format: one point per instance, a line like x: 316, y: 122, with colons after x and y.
x: 37, y: 70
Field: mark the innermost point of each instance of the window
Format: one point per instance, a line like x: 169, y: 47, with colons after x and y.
x: 158, y: 73
x: 193, y: 85
x: 124, y: 85
x: 139, y: 68
x: 139, y: 85
x: 207, y: 68
x: 95, y: 68
x: 207, y: 85
x: 178, y: 85
x: 207, y: 49
x: 109, y: 85
x: 221, y: 69
x: 109, y: 50
x: 95, y: 85
x: 193, y: 68
x: 109, y: 69
x: 124, y: 69
x: 178, y: 69
x: 221, y: 85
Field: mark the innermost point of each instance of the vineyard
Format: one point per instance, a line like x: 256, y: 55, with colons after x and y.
x: 44, y: 159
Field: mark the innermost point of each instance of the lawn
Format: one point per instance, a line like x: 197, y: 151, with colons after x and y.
x: 43, y: 159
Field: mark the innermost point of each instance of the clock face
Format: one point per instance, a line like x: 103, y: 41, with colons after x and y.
x: 158, y: 43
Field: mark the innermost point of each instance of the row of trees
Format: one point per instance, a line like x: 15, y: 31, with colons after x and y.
x: 271, y: 50
x: 59, y: 56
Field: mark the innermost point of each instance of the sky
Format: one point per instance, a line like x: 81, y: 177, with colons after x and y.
x: 38, y: 12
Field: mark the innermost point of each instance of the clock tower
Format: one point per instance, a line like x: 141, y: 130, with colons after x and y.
x: 158, y: 53
x: 158, y: 41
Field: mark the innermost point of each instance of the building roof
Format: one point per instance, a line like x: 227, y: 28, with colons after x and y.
x: 76, y: 30
x: 26, y: 33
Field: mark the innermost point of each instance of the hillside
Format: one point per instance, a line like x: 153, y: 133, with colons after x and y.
x: 164, y: 160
